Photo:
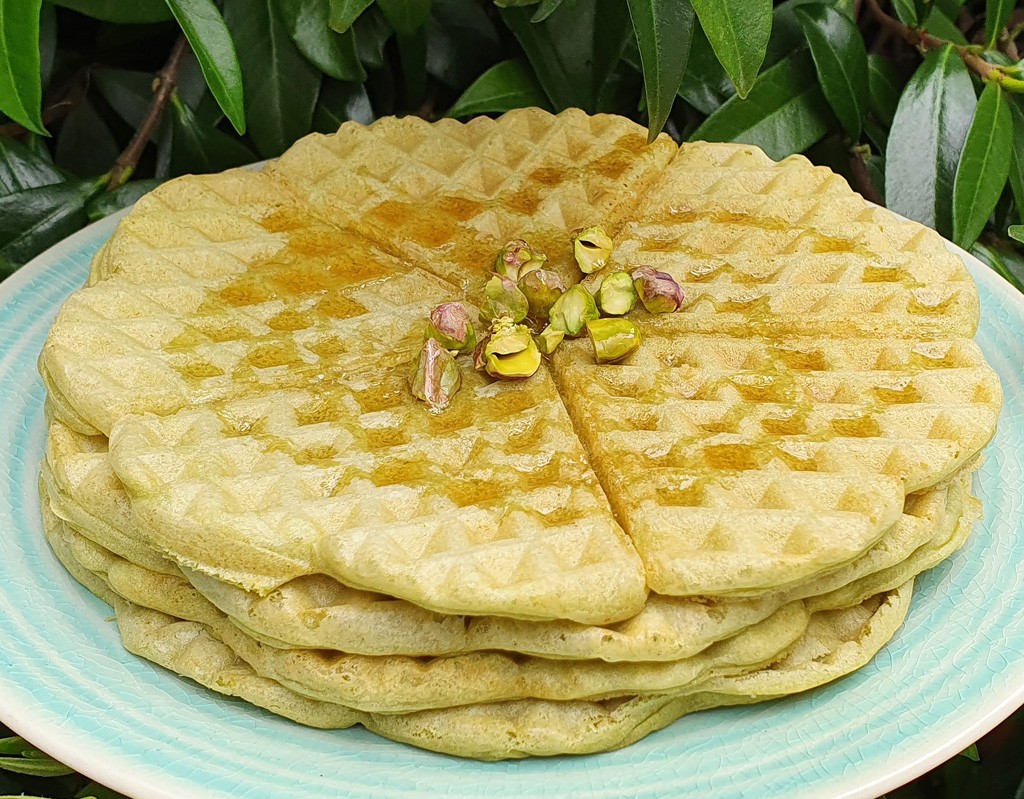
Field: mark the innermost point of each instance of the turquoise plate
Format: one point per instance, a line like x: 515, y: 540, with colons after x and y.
x: 953, y: 672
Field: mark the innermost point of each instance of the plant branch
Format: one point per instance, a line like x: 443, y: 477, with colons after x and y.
x: 921, y: 38
x: 163, y: 88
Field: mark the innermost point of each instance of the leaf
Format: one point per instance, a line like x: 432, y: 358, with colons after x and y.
x: 663, y: 29
x: 281, y: 85
x: 412, y: 54
x: 784, y: 113
x: 996, y: 259
x: 705, y: 85
x: 372, y: 33
x: 22, y: 169
x: 938, y: 24
x: 332, y: 53
x: 884, y: 87
x: 127, y: 11
x: 462, y: 42
x: 738, y: 31
x: 971, y: 753
x: 545, y: 9
x: 984, y: 166
x: 207, y: 33
x: 20, y: 85
x: 1016, y: 231
x: 841, y: 61
x: 405, y: 16
x: 36, y: 765
x: 927, y: 135
x: 997, y: 16
x: 906, y: 12
x: 508, y: 85
x: 110, y: 202
x: 201, y: 150
x: 339, y: 103
x: 85, y: 145
x: 34, y: 219
x: 1017, y: 159
x: 876, y: 134
x: 343, y: 13
x: 47, y: 42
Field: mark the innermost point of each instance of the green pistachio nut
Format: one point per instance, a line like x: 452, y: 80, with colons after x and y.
x: 511, y: 351
x: 479, y: 356
x: 549, y: 339
x: 592, y: 247
x: 617, y: 296
x: 517, y: 258
x: 658, y: 291
x: 503, y: 298
x: 541, y: 288
x: 573, y: 310
x: 613, y: 339
x: 436, y: 377
x: 451, y: 328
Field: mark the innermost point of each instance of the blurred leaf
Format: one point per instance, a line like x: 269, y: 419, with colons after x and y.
x: 339, y: 103
x: 545, y: 9
x: 342, y: 14
x: 705, y: 85
x: 22, y: 169
x: 412, y: 54
x: 129, y: 11
x: 85, y: 145
x: 128, y: 92
x: 995, y: 260
x: 20, y: 87
x: 784, y: 113
x: 997, y: 16
x: 332, y: 53
x: 876, y: 171
x: 906, y: 11
x: 372, y: 33
x: 207, y: 33
x: 201, y: 150
x: 938, y: 24
x: 787, y: 36
x: 738, y: 31
x: 884, y: 87
x: 109, y: 202
x: 281, y: 85
x: 841, y: 61
x: 508, y: 85
x: 1017, y: 231
x: 34, y: 219
x: 663, y: 29
x: 405, y: 16
x: 47, y: 42
x: 877, y: 135
x: 462, y: 42
x: 29, y: 760
x: 971, y: 753
x: 984, y: 166
x: 1017, y: 158
x: 951, y: 8
x: 927, y: 136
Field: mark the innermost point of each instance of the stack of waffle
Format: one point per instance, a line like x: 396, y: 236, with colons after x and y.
x: 558, y: 564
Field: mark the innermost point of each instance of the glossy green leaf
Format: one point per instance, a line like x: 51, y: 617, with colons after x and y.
x: 906, y: 11
x: 332, y: 53
x: 784, y: 113
x: 884, y: 88
x: 996, y: 260
x: 34, y: 219
x: 545, y: 9
x: 200, y: 150
x: 508, y: 85
x: 841, y: 61
x: 663, y: 29
x: 32, y: 762
x: 208, y: 34
x: 997, y: 16
x: 85, y: 145
x: 281, y: 86
x: 1017, y: 158
x: 20, y: 85
x: 109, y: 202
x: 128, y: 92
x: 705, y: 85
x: 342, y: 14
x: 462, y: 42
x: 738, y: 31
x: 126, y: 11
x: 938, y: 24
x: 21, y: 169
x: 984, y: 166
x: 926, y: 138
x: 340, y: 102
x: 405, y: 16
x: 1017, y: 231
x: 787, y: 36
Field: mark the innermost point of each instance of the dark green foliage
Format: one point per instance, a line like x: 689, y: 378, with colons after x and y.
x: 827, y: 78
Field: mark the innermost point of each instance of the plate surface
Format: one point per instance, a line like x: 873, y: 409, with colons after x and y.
x: 67, y: 685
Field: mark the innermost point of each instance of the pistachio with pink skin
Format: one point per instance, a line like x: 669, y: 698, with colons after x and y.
x: 517, y: 258
x: 541, y: 288
x: 451, y: 328
x: 658, y: 291
x: 436, y: 377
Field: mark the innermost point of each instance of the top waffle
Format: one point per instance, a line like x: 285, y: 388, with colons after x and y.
x: 246, y: 336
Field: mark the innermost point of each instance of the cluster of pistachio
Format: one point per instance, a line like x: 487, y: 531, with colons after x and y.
x: 522, y: 290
